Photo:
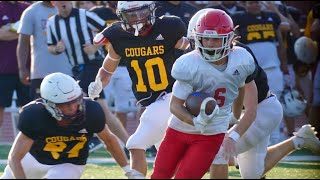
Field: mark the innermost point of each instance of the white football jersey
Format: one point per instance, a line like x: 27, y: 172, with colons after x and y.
x: 222, y: 85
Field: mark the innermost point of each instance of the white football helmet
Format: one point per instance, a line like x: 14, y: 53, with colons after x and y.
x: 192, y: 26
x: 136, y: 16
x: 306, y: 50
x: 292, y: 102
x: 59, y: 88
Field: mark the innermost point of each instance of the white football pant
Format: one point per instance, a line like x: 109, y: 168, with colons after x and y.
x: 153, y: 125
x: 251, y: 148
x: 35, y: 170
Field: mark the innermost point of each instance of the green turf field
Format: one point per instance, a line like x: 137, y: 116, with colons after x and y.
x: 284, y: 170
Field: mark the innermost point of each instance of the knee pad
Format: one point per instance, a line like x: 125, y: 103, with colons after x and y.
x: 251, y: 173
x: 135, y: 142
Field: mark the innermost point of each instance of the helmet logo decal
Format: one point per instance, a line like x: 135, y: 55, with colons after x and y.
x: 210, y: 32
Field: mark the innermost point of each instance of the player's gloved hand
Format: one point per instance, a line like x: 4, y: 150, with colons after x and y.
x: 133, y: 174
x: 202, y: 120
x: 232, y: 120
x: 95, y: 88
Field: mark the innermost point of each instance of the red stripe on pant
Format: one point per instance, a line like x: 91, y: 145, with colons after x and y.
x: 185, y: 155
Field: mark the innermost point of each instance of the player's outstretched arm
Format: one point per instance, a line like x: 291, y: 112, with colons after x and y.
x: 250, y: 103
x: 19, y: 149
x: 238, y: 103
x: 179, y: 110
x: 103, y: 77
x: 113, y: 146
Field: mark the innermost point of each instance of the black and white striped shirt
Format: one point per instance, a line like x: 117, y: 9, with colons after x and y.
x: 75, y: 31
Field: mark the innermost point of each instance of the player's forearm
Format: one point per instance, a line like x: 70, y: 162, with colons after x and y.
x: 238, y: 104
x: 284, y: 25
x: 245, y: 122
x: 104, y: 77
x: 315, y: 30
x: 282, y: 55
x: 23, y: 50
x: 250, y: 102
x: 16, y: 167
x: 181, y: 113
x: 6, y: 35
x: 116, y: 151
x: 295, y: 29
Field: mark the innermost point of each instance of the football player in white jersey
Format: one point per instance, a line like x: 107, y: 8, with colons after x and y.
x: 255, y: 158
x: 219, y: 69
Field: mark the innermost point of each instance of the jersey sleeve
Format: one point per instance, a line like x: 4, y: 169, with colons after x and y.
x: 179, y: 29
x: 95, y: 116
x: 252, y: 68
x: 27, y: 123
x: 252, y: 76
x: 181, y: 70
x: 181, y: 90
x: 26, y: 22
x: 107, y: 35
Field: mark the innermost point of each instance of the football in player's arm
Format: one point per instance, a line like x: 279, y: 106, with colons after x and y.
x: 54, y: 133
x: 217, y: 68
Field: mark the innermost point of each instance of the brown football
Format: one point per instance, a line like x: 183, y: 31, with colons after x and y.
x: 194, y: 100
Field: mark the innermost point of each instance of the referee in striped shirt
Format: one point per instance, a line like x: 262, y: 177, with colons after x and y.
x: 71, y: 31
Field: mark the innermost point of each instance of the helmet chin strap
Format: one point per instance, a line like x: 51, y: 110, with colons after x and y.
x: 137, y: 27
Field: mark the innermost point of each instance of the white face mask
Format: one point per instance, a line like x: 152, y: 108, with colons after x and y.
x: 137, y: 27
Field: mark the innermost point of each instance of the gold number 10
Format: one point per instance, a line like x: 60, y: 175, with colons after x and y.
x: 141, y: 87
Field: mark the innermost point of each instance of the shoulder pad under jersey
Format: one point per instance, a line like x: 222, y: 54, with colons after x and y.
x: 185, y: 67
x: 109, y: 32
x: 171, y: 27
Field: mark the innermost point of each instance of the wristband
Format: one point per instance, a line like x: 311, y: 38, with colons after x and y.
x: 234, y: 136
x: 126, y: 168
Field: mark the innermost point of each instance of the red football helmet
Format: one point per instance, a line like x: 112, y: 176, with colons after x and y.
x: 214, y: 23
